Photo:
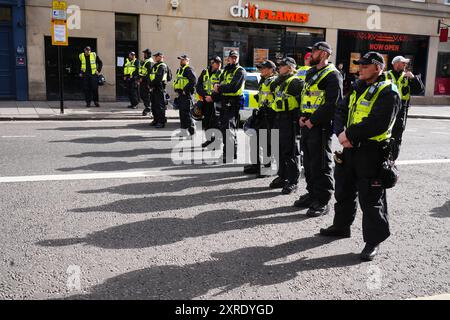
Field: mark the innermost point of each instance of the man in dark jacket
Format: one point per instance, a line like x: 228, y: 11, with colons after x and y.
x: 320, y: 96
x: 90, y: 68
x: 158, y: 82
x: 144, y: 80
x: 363, y: 123
x: 131, y: 77
x: 231, y: 90
x: 184, y: 86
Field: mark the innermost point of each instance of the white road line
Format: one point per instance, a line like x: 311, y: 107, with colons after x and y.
x: 116, y: 175
x: 435, y: 132
x: 413, y: 162
x: 12, y: 137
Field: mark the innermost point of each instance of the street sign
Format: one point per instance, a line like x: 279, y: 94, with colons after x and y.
x: 59, y: 10
x: 60, y: 36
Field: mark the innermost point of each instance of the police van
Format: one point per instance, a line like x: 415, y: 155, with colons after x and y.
x: 250, y: 90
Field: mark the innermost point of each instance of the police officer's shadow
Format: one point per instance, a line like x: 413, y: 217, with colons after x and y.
x: 141, y: 126
x: 443, y: 211
x: 149, y: 164
x: 162, y: 231
x: 255, y: 266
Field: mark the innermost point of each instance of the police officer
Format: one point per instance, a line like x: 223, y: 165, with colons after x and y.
x: 320, y: 96
x: 231, y: 90
x: 363, y: 124
x: 158, y: 82
x: 184, y: 86
x: 263, y: 117
x: 303, y: 70
x: 206, y: 96
x: 144, y: 80
x: 287, y: 88
x: 91, y: 66
x: 130, y: 75
x: 407, y: 84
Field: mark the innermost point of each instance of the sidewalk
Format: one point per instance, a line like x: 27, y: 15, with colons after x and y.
x: 76, y: 110
x: 73, y: 110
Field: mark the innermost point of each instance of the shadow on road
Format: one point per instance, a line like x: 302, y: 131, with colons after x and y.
x: 442, y: 212
x: 162, y: 231
x: 225, y: 272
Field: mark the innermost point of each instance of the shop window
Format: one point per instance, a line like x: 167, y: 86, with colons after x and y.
x: 442, y: 86
x: 5, y: 15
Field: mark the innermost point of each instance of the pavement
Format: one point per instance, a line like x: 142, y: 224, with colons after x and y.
x: 99, y: 210
x: 76, y: 110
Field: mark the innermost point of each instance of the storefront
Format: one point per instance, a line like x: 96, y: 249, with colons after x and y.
x: 259, y: 30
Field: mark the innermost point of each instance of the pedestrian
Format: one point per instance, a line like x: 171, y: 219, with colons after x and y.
x: 319, y: 99
x: 408, y: 84
x: 184, y: 86
x: 90, y: 67
x: 206, y: 97
x: 287, y: 88
x: 263, y: 116
x: 303, y: 70
x: 158, y: 81
x: 130, y: 76
x: 144, y: 80
x: 231, y: 91
x: 363, y: 123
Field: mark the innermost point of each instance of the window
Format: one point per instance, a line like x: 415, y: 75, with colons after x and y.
x: 5, y: 15
x: 251, y: 83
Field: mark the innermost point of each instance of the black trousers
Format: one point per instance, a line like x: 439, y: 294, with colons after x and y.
x: 90, y: 88
x: 315, y: 144
x: 287, y: 124
x: 184, y: 107
x: 133, y: 94
x: 358, y: 177
x: 158, y: 105
x: 209, y: 116
x: 228, y: 124
x: 399, y: 129
x: 144, y: 92
x: 263, y: 147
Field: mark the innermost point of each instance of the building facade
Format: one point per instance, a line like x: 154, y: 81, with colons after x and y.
x: 258, y: 29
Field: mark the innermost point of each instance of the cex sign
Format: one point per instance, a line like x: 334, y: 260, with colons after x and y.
x: 254, y: 12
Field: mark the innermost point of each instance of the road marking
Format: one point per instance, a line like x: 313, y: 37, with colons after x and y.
x: 435, y: 132
x: 413, y: 162
x: 9, y: 137
x: 117, y: 175
x: 438, y: 297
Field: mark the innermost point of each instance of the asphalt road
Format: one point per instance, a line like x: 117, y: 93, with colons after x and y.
x: 98, y: 210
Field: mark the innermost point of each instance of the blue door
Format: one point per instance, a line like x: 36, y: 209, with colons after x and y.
x: 7, y: 81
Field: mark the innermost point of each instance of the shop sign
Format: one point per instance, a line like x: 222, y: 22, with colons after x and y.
x: 254, y: 12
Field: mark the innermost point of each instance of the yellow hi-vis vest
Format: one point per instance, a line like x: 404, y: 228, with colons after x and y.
x: 129, y: 67
x: 402, y: 84
x: 143, y: 72
x: 92, y: 61
x: 361, y: 108
x: 180, y: 80
x: 266, y: 96
x: 227, y: 78
x: 154, y: 71
x: 209, y: 81
x: 283, y: 99
x: 312, y: 97
x: 301, y: 72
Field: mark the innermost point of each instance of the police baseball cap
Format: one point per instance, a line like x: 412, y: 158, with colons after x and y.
x: 288, y: 62
x: 216, y: 59
x: 233, y: 53
x: 400, y: 59
x: 132, y: 53
x: 183, y: 57
x: 159, y: 54
x: 322, y: 45
x: 147, y: 51
x: 267, y: 64
x: 87, y: 48
x: 371, y: 58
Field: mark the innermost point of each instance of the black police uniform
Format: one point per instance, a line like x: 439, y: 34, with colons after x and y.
x: 230, y: 106
x: 287, y: 123
x: 90, y: 82
x: 132, y: 85
x: 316, y: 142
x: 158, y: 94
x: 416, y: 87
x: 144, y: 87
x: 210, y: 120
x: 358, y: 175
x: 185, y: 99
